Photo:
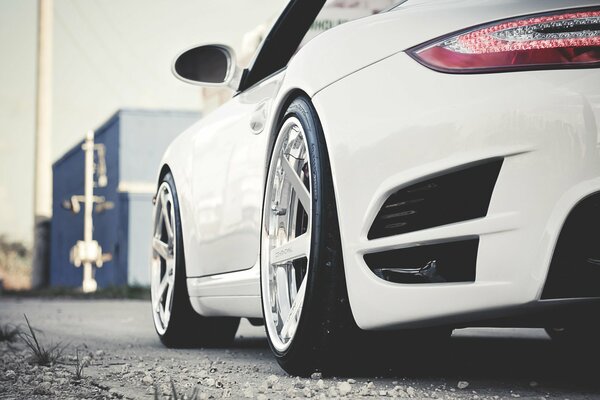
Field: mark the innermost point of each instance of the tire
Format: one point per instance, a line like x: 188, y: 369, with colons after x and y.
x: 322, y: 323
x: 175, y: 321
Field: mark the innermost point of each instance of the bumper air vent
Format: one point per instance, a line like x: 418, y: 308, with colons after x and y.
x: 575, y: 268
x: 453, y: 197
x: 437, y: 263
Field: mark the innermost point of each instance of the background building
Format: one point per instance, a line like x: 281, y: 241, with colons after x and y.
x: 135, y: 141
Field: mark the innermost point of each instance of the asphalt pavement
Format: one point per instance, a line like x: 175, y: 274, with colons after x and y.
x: 128, y: 360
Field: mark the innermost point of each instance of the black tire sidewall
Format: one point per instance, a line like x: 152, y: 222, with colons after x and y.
x: 181, y: 303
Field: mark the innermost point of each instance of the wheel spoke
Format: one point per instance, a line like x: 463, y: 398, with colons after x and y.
x: 291, y: 281
x: 158, y: 223
x: 169, y: 301
x: 294, y: 179
x: 160, y: 294
x: 156, y: 305
x: 282, y: 296
x: 164, y: 284
x: 161, y: 313
x: 166, y: 217
x: 161, y: 248
x: 292, y: 250
x: 290, y: 325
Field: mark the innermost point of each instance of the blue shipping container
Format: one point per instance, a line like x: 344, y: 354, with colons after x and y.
x: 135, y: 141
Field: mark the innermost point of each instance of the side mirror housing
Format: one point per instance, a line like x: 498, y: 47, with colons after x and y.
x: 209, y: 65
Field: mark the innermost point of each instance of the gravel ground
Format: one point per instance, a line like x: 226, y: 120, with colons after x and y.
x: 125, y: 360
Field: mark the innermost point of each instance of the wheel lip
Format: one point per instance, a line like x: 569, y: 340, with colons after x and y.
x: 161, y: 325
x: 274, y: 339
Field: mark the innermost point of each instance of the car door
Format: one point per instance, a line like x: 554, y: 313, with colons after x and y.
x: 230, y: 150
x: 227, y: 183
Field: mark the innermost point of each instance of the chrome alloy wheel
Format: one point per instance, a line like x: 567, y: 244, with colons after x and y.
x: 163, y: 257
x: 286, y: 234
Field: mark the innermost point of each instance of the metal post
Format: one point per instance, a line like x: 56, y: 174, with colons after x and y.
x: 43, y: 167
x: 88, y: 252
x: 89, y: 283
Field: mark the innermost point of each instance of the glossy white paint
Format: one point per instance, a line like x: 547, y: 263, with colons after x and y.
x: 425, y: 122
x: 354, y: 45
x: 241, y: 289
x: 219, y: 168
x: 388, y: 122
x: 227, y: 306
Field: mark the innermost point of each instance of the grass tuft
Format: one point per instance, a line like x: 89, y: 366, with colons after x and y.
x: 40, y: 354
x: 8, y: 333
x: 80, y: 364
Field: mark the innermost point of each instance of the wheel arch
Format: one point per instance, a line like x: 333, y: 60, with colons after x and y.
x: 164, y: 170
x: 280, y: 107
x: 284, y: 99
x: 278, y: 113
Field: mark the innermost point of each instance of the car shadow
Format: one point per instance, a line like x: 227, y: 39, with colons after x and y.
x: 509, y: 360
x: 258, y: 343
x: 483, y: 357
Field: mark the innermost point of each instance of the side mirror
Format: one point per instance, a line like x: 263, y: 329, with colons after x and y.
x: 210, y: 65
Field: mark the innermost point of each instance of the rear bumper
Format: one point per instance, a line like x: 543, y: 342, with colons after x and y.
x: 416, y: 123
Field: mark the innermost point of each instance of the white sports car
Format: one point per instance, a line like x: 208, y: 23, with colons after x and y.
x: 433, y: 165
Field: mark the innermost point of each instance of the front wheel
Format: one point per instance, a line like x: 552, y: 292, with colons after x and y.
x: 304, y: 296
x: 175, y: 321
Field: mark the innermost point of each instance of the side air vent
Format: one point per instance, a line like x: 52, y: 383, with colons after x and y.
x: 575, y: 268
x: 437, y: 263
x: 456, y: 196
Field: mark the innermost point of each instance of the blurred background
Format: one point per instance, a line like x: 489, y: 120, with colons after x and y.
x: 73, y: 66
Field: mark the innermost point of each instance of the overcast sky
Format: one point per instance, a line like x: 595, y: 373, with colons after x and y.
x: 108, y: 54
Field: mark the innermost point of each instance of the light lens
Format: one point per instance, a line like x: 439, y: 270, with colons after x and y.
x: 560, y: 40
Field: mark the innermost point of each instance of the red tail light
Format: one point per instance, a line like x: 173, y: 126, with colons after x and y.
x: 566, y: 39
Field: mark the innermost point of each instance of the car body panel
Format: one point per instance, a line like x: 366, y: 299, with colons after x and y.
x: 349, y: 47
x: 544, y: 123
x: 219, y: 163
x: 388, y: 122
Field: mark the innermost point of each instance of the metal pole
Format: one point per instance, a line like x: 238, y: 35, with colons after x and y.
x: 89, y: 283
x: 43, y: 167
